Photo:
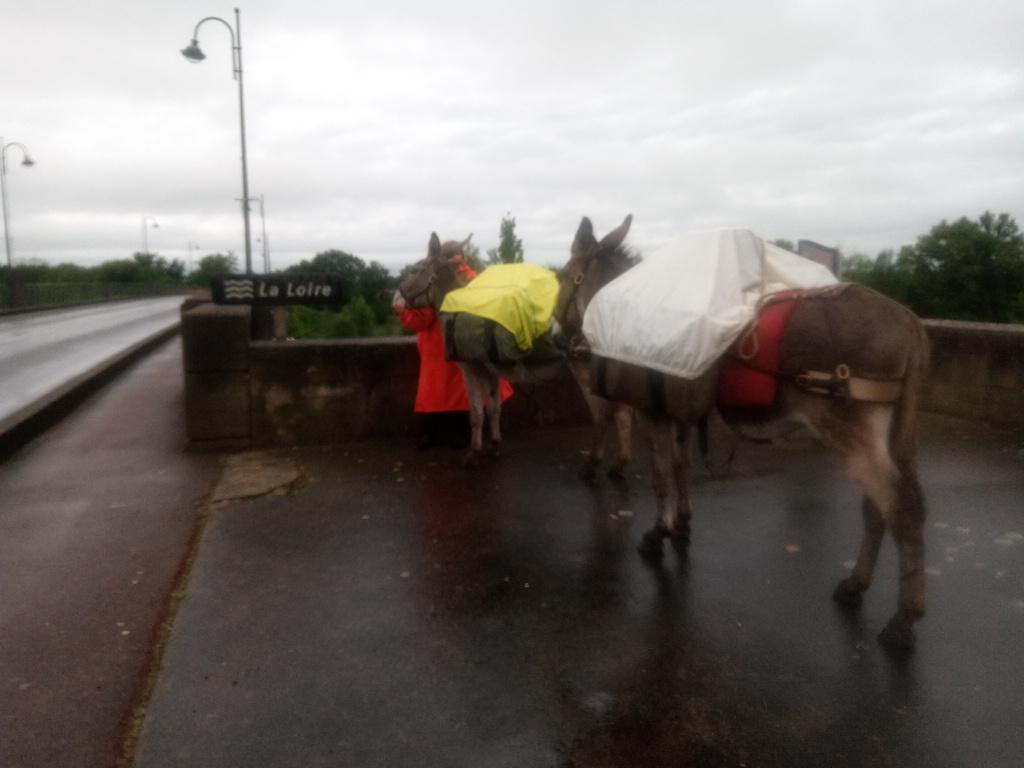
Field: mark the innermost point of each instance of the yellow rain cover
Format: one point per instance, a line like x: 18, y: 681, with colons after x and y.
x: 519, y: 297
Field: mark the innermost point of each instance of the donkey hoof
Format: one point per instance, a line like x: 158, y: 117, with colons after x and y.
x: 650, y: 547
x: 588, y: 472
x: 847, y: 595
x: 898, y: 637
x: 680, y: 539
x: 471, y: 460
x: 494, y: 450
x: 617, y: 474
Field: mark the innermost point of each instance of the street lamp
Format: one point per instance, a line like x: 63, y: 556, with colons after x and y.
x: 266, y: 245
x: 145, y: 232
x: 193, y: 53
x: 26, y: 160
x: 191, y: 246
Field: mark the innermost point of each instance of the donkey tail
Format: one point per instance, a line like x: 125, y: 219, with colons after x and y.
x: 904, y: 434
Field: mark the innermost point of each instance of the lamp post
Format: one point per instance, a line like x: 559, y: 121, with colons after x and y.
x: 191, y: 246
x: 145, y: 232
x: 193, y: 53
x: 266, y: 245
x: 263, y: 241
x: 26, y: 160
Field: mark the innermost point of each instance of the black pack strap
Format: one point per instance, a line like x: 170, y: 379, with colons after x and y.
x: 448, y: 328
x: 656, y: 391
x: 492, y: 342
x: 599, y: 369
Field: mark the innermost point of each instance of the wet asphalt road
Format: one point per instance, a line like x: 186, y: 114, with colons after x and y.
x: 392, y: 610
x: 44, y: 355
x: 389, y: 609
x: 95, y: 518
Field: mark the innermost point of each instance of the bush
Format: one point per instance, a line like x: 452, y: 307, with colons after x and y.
x: 356, y: 319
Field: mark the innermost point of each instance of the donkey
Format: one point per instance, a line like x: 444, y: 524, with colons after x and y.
x: 427, y: 283
x: 866, y: 412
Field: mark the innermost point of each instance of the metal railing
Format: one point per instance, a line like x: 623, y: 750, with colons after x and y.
x: 24, y: 296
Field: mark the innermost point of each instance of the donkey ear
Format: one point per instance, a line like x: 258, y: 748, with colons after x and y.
x: 614, y: 239
x: 465, y: 243
x: 585, y: 233
x: 434, y: 248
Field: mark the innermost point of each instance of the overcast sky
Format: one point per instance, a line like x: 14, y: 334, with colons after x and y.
x: 370, y: 124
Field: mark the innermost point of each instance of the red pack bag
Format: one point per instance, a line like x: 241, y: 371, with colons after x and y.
x: 747, y: 376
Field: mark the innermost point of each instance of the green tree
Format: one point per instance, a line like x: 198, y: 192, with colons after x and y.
x: 473, y: 259
x: 367, y: 289
x: 960, y: 270
x: 214, y: 265
x: 885, y: 273
x: 510, y: 247
x: 968, y: 270
x: 371, y: 281
x: 70, y: 273
x: 358, y: 314
x: 141, y: 268
x: 347, y: 267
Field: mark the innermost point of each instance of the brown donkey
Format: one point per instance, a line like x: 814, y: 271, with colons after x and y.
x: 851, y: 369
x: 427, y: 283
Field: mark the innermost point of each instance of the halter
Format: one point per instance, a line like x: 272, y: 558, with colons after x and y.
x: 577, y: 343
x: 409, y: 298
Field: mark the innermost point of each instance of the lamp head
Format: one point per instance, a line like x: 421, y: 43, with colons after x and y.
x: 192, y: 52
x: 28, y: 161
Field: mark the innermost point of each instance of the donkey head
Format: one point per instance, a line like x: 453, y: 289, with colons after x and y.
x: 430, y: 279
x: 592, y: 264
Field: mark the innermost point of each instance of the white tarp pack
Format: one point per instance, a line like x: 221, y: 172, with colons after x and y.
x: 680, y: 308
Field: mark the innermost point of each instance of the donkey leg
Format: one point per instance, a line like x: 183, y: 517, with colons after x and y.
x: 896, y: 497
x: 494, y: 413
x: 474, y: 392
x: 623, y: 416
x: 849, y: 591
x: 600, y: 412
x: 876, y: 475
x: 908, y: 530
x: 661, y: 438
x: 681, y: 472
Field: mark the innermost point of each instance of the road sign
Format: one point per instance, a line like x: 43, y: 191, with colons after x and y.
x: 275, y: 290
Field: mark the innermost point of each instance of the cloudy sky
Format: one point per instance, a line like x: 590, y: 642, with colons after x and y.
x: 370, y: 124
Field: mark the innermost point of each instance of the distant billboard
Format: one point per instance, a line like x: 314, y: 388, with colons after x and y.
x: 824, y: 255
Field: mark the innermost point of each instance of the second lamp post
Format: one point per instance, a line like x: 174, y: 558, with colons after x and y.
x: 26, y: 160
x: 146, y: 224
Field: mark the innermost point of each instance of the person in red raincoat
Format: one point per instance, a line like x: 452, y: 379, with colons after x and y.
x: 441, y: 391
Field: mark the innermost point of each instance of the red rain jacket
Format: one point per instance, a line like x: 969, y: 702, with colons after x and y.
x: 441, y: 386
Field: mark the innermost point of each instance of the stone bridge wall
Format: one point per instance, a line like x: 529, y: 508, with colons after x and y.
x: 265, y: 393
x: 241, y: 393
x: 977, y: 371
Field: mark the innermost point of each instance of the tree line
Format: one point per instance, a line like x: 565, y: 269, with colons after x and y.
x: 960, y: 270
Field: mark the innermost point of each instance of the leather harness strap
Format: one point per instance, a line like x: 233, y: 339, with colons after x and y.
x: 840, y: 383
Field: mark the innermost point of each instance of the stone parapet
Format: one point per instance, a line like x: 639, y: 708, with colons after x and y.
x: 977, y: 371
x: 240, y: 392
x: 323, y: 391
x: 215, y: 356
